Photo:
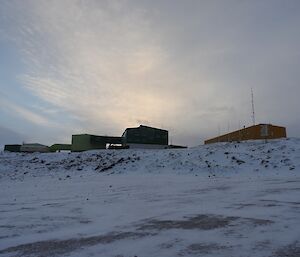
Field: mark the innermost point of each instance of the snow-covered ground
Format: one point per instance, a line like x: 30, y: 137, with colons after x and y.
x: 217, y: 200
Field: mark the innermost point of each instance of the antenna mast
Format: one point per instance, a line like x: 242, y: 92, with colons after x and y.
x: 252, y: 102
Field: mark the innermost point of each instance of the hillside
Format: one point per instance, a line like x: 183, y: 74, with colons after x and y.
x: 221, y: 159
x: 227, y: 199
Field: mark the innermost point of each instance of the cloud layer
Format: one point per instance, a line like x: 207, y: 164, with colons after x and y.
x: 187, y: 67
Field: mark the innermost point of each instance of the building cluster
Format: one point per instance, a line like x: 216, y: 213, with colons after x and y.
x: 145, y: 137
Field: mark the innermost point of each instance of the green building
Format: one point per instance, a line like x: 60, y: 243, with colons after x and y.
x: 34, y: 148
x: 84, y: 142
x: 140, y: 137
x: 145, y: 137
x: 12, y: 148
x: 60, y: 147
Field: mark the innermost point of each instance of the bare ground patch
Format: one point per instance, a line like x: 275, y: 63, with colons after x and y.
x: 203, y: 248
x: 59, y: 247
x: 292, y: 250
x: 203, y: 222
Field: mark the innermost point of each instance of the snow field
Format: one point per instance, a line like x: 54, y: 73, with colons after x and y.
x: 217, y: 200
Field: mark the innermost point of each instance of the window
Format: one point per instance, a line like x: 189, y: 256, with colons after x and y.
x: 264, y: 130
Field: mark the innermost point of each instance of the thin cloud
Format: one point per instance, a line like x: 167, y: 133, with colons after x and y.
x: 100, y: 64
x: 25, y: 114
x: 107, y: 65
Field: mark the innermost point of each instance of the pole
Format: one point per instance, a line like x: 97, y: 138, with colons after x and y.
x: 253, y: 112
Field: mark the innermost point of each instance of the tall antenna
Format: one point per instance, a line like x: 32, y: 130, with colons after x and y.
x: 252, y: 102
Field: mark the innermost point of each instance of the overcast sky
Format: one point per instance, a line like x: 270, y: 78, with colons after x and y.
x: 74, y: 66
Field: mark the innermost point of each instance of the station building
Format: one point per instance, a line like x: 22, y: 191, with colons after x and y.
x: 146, y: 137
x: 256, y: 132
x: 139, y: 137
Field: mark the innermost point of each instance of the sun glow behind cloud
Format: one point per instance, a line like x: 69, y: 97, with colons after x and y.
x: 98, y: 63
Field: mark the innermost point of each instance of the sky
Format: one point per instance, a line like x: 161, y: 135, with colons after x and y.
x: 98, y: 67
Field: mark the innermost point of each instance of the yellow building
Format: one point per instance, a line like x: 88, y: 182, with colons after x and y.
x: 260, y: 131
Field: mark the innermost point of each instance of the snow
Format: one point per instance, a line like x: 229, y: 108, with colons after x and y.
x: 227, y: 199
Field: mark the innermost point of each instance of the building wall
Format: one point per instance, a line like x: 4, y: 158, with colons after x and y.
x: 60, y: 147
x: 31, y: 148
x: 84, y: 142
x: 261, y: 131
x: 145, y: 135
x: 12, y: 148
x: 146, y: 146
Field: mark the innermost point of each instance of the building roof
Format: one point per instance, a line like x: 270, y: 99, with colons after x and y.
x: 34, y: 145
x: 148, y: 127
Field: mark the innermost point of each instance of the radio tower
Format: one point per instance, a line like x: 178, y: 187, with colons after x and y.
x: 252, y: 102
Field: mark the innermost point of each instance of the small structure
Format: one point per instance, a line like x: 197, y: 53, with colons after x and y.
x: 260, y: 131
x: 145, y: 137
x: 60, y: 147
x: 84, y: 142
x: 31, y: 148
x: 12, y: 148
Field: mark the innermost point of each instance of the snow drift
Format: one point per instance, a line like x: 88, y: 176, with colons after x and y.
x: 217, y: 159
